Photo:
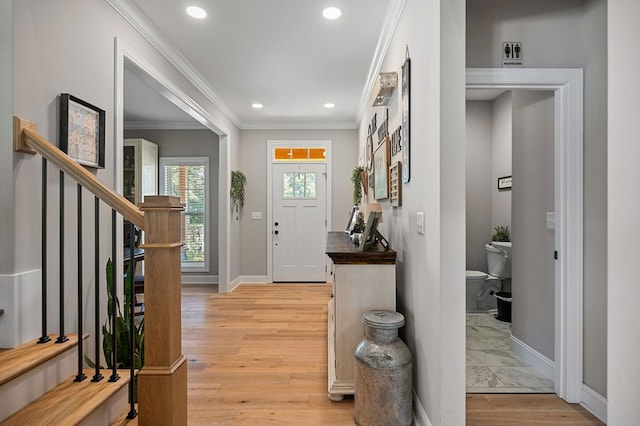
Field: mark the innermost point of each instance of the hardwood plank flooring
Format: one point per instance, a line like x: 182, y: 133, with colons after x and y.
x: 259, y: 356
x: 525, y: 409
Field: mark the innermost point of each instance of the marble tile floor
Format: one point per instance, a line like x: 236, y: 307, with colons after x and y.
x: 491, y: 366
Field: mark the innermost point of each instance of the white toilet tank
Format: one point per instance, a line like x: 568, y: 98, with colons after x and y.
x: 499, y: 265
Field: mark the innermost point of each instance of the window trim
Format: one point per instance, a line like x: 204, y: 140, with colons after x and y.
x: 192, y: 161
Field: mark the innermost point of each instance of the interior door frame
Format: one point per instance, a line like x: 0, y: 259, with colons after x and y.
x: 567, y: 85
x: 271, y: 144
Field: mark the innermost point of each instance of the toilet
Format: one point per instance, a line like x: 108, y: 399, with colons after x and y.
x: 481, y: 285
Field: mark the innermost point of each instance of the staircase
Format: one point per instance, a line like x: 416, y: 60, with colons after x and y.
x: 33, y: 392
x: 44, y: 381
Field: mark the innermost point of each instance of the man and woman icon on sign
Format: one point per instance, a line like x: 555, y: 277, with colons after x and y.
x: 512, y: 51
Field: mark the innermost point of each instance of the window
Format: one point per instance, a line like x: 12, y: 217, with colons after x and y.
x: 299, y: 154
x: 188, y: 179
x: 299, y: 185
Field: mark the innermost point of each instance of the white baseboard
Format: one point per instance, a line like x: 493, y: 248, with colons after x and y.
x: 253, y: 279
x: 420, y: 417
x: 20, y: 297
x: 595, y: 403
x: 534, y: 358
x: 192, y: 279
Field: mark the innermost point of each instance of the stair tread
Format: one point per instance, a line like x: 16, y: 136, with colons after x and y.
x: 62, y: 405
x: 15, y: 362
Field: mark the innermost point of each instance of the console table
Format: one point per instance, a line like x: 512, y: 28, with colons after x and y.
x: 362, y: 280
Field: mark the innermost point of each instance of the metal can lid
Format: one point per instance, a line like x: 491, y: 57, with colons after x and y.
x: 383, y: 319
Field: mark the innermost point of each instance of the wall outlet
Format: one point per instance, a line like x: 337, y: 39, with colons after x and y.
x: 420, y: 222
x: 256, y: 215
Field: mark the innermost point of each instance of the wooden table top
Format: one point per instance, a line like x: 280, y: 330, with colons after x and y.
x: 342, y: 251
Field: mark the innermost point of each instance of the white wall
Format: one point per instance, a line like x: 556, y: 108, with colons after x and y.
x: 192, y: 143
x: 254, y: 238
x: 566, y: 34
x: 430, y: 267
x: 533, y: 280
x: 623, y: 226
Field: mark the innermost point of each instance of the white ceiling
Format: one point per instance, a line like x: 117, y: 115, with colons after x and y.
x: 281, y: 53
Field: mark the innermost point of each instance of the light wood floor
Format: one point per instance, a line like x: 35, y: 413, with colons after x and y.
x: 259, y: 356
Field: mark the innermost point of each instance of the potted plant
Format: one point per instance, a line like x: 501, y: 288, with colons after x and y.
x: 122, y: 330
x: 238, y: 182
x: 356, y: 179
x: 501, y: 233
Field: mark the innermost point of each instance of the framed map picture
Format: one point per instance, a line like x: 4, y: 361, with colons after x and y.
x: 82, y: 131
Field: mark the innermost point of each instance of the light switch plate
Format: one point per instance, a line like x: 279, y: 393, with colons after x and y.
x: 420, y: 222
x: 256, y: 215
x: 551, y: 220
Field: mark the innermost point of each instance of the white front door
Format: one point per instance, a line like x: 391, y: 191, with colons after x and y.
x: 299, y: 227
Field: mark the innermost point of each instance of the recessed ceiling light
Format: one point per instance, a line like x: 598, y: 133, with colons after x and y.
x: 331, y: 13
x: 196, y: 12
x: 257, y: 106
x: 329, y: 105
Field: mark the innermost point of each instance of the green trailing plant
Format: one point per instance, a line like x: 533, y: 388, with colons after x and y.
x: 501, y: 233
x: 123, y: 328
x: 357, y: 184
x: 238, y: 182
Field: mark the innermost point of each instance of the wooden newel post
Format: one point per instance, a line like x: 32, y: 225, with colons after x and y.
x: 162, y: 382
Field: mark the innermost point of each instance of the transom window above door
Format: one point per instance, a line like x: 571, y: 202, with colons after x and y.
x: 299, y: 154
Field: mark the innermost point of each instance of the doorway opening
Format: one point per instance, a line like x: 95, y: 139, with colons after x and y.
x: 298, y: 202
x: 125, y: 57
x: 567, y: 87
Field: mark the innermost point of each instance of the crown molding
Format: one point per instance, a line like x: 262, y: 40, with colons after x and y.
x: 153, y: 35
x: 300, y: 125
x: 165, y: 125
x: 392, y: 17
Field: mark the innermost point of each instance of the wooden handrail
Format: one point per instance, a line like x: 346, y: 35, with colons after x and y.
x: 27, y: 139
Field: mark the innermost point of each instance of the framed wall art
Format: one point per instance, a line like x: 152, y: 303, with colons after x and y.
x: 381, y: 171
x: 406, y: 116
x: 504, y: 183
x: 82, y: 131
x: 395, y: 184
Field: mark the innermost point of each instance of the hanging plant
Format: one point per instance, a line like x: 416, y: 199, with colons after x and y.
x: 238, y: 181
x: 357, y: 184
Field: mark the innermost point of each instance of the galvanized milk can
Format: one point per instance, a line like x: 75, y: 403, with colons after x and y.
x: 383, y: 372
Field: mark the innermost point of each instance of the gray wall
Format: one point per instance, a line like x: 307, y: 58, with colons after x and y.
x: 478, y: 182
x: 488, y: 156
x: 6, y: 137
x: 533, y: 281
x: 566, y: 34
x: 254, y: 163
x: 501, y: 145
x: 192, y: 143
x: 623, y: 226
x: 430, y: 267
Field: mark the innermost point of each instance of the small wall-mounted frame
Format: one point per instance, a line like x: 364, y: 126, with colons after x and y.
x: 395, y: 184
x: 504, y: 183
x: 381, y: 171
x: 82, y: 131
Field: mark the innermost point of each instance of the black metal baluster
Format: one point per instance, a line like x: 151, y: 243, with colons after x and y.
x: 132, y: 342
x: 96, y: 317
x: 61, y: 338
x: 80, y: 376
x: 44, y: 338
x: 114, y: 352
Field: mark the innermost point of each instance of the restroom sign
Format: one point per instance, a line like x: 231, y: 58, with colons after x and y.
x: 512, y: 54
